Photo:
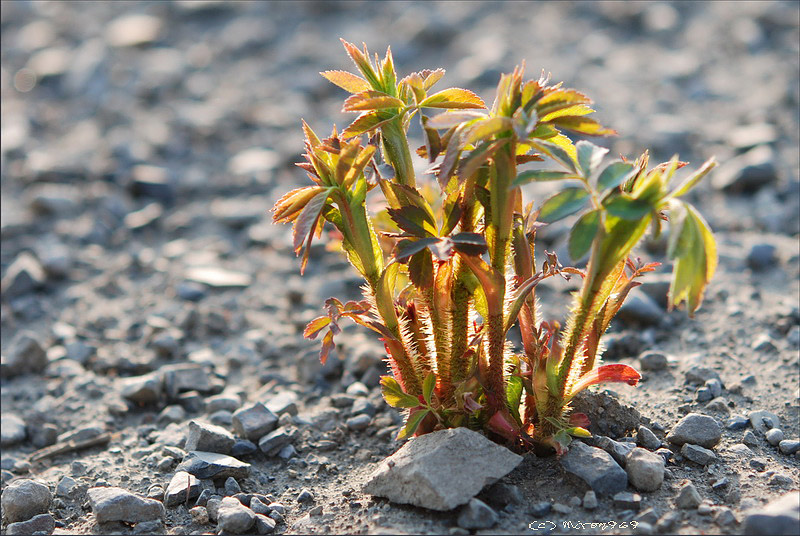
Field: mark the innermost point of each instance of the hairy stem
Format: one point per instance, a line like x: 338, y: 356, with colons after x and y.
x: 395, y: 146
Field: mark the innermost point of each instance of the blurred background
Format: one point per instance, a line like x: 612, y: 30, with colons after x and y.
x: 140, y: 139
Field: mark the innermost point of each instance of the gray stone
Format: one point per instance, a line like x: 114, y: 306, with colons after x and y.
x: 254, y: 421
x: 782, y: 480
x: 759, y: 464
x: 590, y: 500
x: 762, y: 421
x: 696, y: 429
x: 653, y: 361
x: 171, y: 414
x: 703, y: 394
x: 774, y: 436
x: 645, y: 469
x: 626, y: 500
x: 647, y: 516
x: 428, y: 470
x: 362, y: 406
x: 243, y: 447
x: 737, y: 422
x: 476, y: 515
x: 182, y: 488
x: 562, y: 508
x: 199, y: 515
x: 762, y: 257
x: 25, y: 498
x: 212, y: 507
x: 264, y: 524
x: 698, y: 375
x: 209, y: 438
x: 283, y: 402
x: 223, y: 401
x: 647, y: 439
x: 305, y: 496
x: 723, y: 516
x: 233, y: 517
x: 595, y: 467
x: 26, y: 355
x: 750, y: 439
x: 668, y: 522
x: 133, y: 30
x: 714, y: 386
x: 183, y: 377
x: 789, y: 446
x: 65, y: 486
x: 257, y: 506
x: 116, y: 504
x: 272, y: 443
x: 688, y: 498
x: 619, y: 450
x: 698, y: 454
x: 359, y: 422
x: 748, y: 172
x: 43, y: 435
x: 232, y: 487
x: 24, y: 275
x: 41, y: 524
x: 780, y: 517
x: 144, y: 389
x: 639, y: 308
x: 541, y: 509
x: 205, y: 465
x: 12, y: 430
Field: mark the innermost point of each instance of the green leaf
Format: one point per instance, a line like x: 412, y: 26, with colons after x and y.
x: 347, y: 81
x: 626, y: 207
x: 582, y: 234
x: 557, y: 153
x: 696, y: 261
x: 394, y: 395
x: 365, y: 123
x: 615, y: 174
x: 361, y: 59
x: 453, y: 97
x: 371, y: 100
x: 420, y: 269
x: 583, y: 125
x: 453, y: 119
x: 560, y: 99
x: 564, y: 203
x: 540, y: 175
x: 589, y: 157
x: 577, y: 109
x: 484, y: 129
x: 306, y: 224
x: 412, y: 423
x: 406, y: 248
x: 692, y: 180
x: 412, y: 220
x: 427, y: 387
x: 514, y: 391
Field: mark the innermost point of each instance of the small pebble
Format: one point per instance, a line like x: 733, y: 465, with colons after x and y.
x: 774, y: 436
x: 590, y: 500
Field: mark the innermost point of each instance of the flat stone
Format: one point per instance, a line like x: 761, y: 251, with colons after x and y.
x: 780, y: 517
x: 626, y: 500
x: 619, y: 450
x: 254, y: 421
x: 265, y: 524
x: 789, y: 446
x: 218, y: 277
x: 748, y: 172
x: 272, y: 443
x: 283, y: 402
x: 182, y: 487
x: 359, y: 422
x: 233, y: 517
x: 700, y: 375
x: 41, y: 524
x: 243, y: 447
x: 688, y: 498
x: 144, y: 389
x: 12, y: 430
x: 205, y: 465
x: 182, y: 377
x: 541, y: 508
x: 639, y: 308
x: 595, y: 467
x: 24, y: 499
x: 762, y: 421
x: 750, y: 439
x: 209, y: 438
x: 698, y: 454
x: 428, y: 470
x: 645, y: 469
x: 696, y: 429
x: 737, y: 422
x: 476, y: 514
x: 116, y: 504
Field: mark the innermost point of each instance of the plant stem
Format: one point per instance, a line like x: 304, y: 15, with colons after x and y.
x: 395, y: 146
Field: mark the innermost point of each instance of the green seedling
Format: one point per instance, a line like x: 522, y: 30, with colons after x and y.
x: 449, y: 263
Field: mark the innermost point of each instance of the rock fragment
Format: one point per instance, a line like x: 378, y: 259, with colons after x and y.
x: 645, y: 469
x: 12, y: 429
x: 698, y: 454
x: 209, y: 438
x: 205, y: 465
x: 476, y: 514
x: 762, y: 421
x: 595, y: 467
x: 254, y: 421
x: 24, y: 275
x: 789, y: 446
x: 233, y: 517
x: 116, y: 504
x: 427, y: 471
x: 647, y: 439
x: 133, y: 30
x: 688, y: 497
x: 41, y: 524
x: 182, y: 487
x: 653, y: 361
x: 696, y: 429
x: 25, y: 355
x: 25, y: 498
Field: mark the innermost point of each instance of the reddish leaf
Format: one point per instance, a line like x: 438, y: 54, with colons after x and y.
x: 315, y: 326
x: 288, y: 207
x: 371, y: 100
x: 361, y: 59
x: 327, y: 346
x: 306, y: 223
x: 365, y: 123
x: 453, y: 119
x: 614, y: 373
x: 347, y: 81
x: 420, y: 270
x: 431, y: 77
x: 453, y: 97
x: 580, y: 419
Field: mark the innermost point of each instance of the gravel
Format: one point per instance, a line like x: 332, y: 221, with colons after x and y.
x: 116, y: 504
x: 595, y: 467
x: 233, y: 517
x: 696, y: 429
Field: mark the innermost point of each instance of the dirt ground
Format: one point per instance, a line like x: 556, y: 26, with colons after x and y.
x: 135, y: 152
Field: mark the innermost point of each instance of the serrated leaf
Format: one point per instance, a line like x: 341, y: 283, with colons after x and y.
x: 557, y: 153
x: 452, y: 119
x: 412, y: 220
x: 583, y: 125
x: 627, y: 208
x: 613, y: 373
x: 514, y: 391
x: 420, y: 270
x: 469, y: 243
x: 578, y: 109
x: 431, y: 77
x: 414, y: 419
x: 478, y: 157
x: 560, y: 99
x: 692, y: 180
x: 365, y: 123
x: 371, y: 100
x: 589, y: 157
x: 327, y: 346
x: 582, y: 234
x: 453, y: 97
x: 615, y: 174
x: 347, y: 81
x: 485, y: 129
x: 394, y: 395
x: 540, y: 175
x: 427, y: 387
x: 315, y: 326
x: 563, y: 204
x: 406, y: 247
x: 306, y: 223
x: 361, y: 59
x: 452, y: 213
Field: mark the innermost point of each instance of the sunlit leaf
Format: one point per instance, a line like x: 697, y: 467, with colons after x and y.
x: 305, y: 224
x: 695, y: 262
x: 626, y: 207
x: 485, y: 129
x: 469, y: 243
x: 583, y: 125
x: 453, y: 97
x: 615, y: 174
x: 589, y: 157
x: 514, y: 395
x: 288, y: 207
x: 539, y: 175
x: 695, y: 177
x: 412, y: 220
x: 420, y: 269
x: 315, y: 326
x: 327, y: 346
x: 365, y: 123
x: 406, y: 247
x: 577, y: 431
x: 578, y: 109
x: 452, y: 119
x: 614, y: 373
x: 361, y: 59
x: 431, y: 77
x: 347, y: 81
x: 371, y: 100
x: 557, y: 153
x: 414, y: 419
x: 560, y: 99
x: 582, y: 234
x: 394, y: 395
x: 564, y: 203
x: 427, y: 387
